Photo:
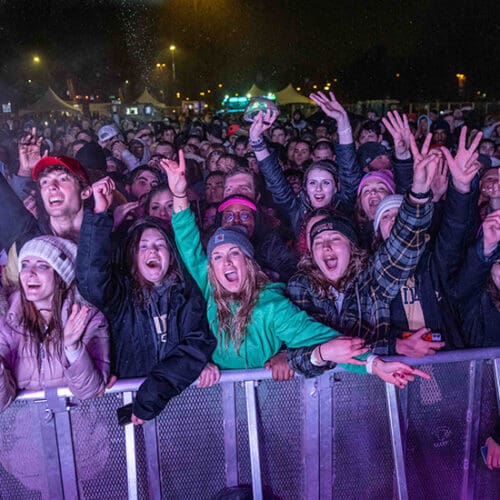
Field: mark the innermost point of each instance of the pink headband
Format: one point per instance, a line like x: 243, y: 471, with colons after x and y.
x: 236, y: 201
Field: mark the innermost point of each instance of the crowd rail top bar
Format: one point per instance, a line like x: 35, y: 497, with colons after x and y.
x: 133, y: 384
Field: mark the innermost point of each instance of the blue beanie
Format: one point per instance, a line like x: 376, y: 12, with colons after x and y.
x: 237, y: 235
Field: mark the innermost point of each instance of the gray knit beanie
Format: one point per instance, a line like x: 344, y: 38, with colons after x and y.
x: 58, y: 252
x: 391, y: 201
x: 236, y: 235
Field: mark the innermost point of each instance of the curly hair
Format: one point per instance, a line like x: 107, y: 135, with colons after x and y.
x: 233, y: 321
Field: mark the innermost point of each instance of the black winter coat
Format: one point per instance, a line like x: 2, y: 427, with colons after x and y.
x: 167, y: 339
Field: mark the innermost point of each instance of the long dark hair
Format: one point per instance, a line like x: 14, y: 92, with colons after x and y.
x: 39, y: 332
x: 142, y: 288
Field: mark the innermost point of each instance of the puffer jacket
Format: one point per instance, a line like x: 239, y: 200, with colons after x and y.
x: 85, y: 377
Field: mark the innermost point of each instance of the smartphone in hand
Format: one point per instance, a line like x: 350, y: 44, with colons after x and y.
x: 124, y: 414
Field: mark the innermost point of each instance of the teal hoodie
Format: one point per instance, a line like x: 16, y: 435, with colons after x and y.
x: 275, y: 319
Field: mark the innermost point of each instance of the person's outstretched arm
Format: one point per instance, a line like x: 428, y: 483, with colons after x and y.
x: 187, y: 234
x: 95, y: 279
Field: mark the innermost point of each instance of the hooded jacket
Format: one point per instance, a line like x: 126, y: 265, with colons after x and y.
x: 275, y: 320
x: 164, y: 339
x: 85, y: 377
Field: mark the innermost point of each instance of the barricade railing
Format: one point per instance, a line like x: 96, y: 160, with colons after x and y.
x: 325, y: 437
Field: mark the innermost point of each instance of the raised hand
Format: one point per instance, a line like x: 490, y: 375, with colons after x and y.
x: 439, y: 184
x: 424, y: 171
x: 332, y: 108
x: 418, y: 155
x: 29, y: 152
x: 464, y: 166
x: 493, y: 455
x: 75, y: 326
x: 176, y: 173
x: 491, y: 232
x: 396, y: 373
x: 121, y: 212
x: 261, y: 123
x: 279, y: 367
x: 118, y: 149
x: 400, y: 130
x: 210, y: 375
x: 343, y: 350
x: 103, y: 194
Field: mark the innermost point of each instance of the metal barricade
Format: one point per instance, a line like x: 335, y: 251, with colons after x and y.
x: 340, y: 435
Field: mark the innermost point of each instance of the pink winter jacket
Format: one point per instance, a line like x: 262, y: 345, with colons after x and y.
x: 85, y: 377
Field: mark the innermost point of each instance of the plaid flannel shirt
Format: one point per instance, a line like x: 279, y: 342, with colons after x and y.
x: 366, y: 306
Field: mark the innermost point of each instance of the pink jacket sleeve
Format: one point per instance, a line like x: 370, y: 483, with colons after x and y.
x: 8, y: 387
x: 88, y: 374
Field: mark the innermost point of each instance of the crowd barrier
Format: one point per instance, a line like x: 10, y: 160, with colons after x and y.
x: 336, y: 436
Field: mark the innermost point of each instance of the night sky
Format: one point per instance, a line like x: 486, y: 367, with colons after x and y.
x: 102, y: 43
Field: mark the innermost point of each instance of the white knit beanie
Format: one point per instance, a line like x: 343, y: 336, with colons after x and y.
x: 58, y: 252
x: 391, y: 201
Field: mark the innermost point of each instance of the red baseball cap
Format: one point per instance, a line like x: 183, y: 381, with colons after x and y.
x: 70, y: 164
x: 232, y: 129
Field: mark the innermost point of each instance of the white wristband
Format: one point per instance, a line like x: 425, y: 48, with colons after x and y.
x: 315, y: 359
x: 369, y: 363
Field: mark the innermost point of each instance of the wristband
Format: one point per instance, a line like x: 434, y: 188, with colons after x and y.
x: 258, y: 145
x: 421, y: 196
x: 323, y: 360
x: 176, y: 196
x: 344, y: 130
x: 314, y: 359
x: 369, y: 363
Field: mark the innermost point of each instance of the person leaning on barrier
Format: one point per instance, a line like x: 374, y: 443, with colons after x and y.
x: 249, y: 316
x: 342, y: 286
x: 156, y: 312
x: 47, y: 339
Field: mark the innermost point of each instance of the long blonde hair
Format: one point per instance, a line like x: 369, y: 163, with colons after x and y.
x: 234, y: 324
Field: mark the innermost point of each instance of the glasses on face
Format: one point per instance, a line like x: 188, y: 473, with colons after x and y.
x: 243, y: 216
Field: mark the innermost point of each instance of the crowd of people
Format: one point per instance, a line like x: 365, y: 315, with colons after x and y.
x: 173, y: 250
